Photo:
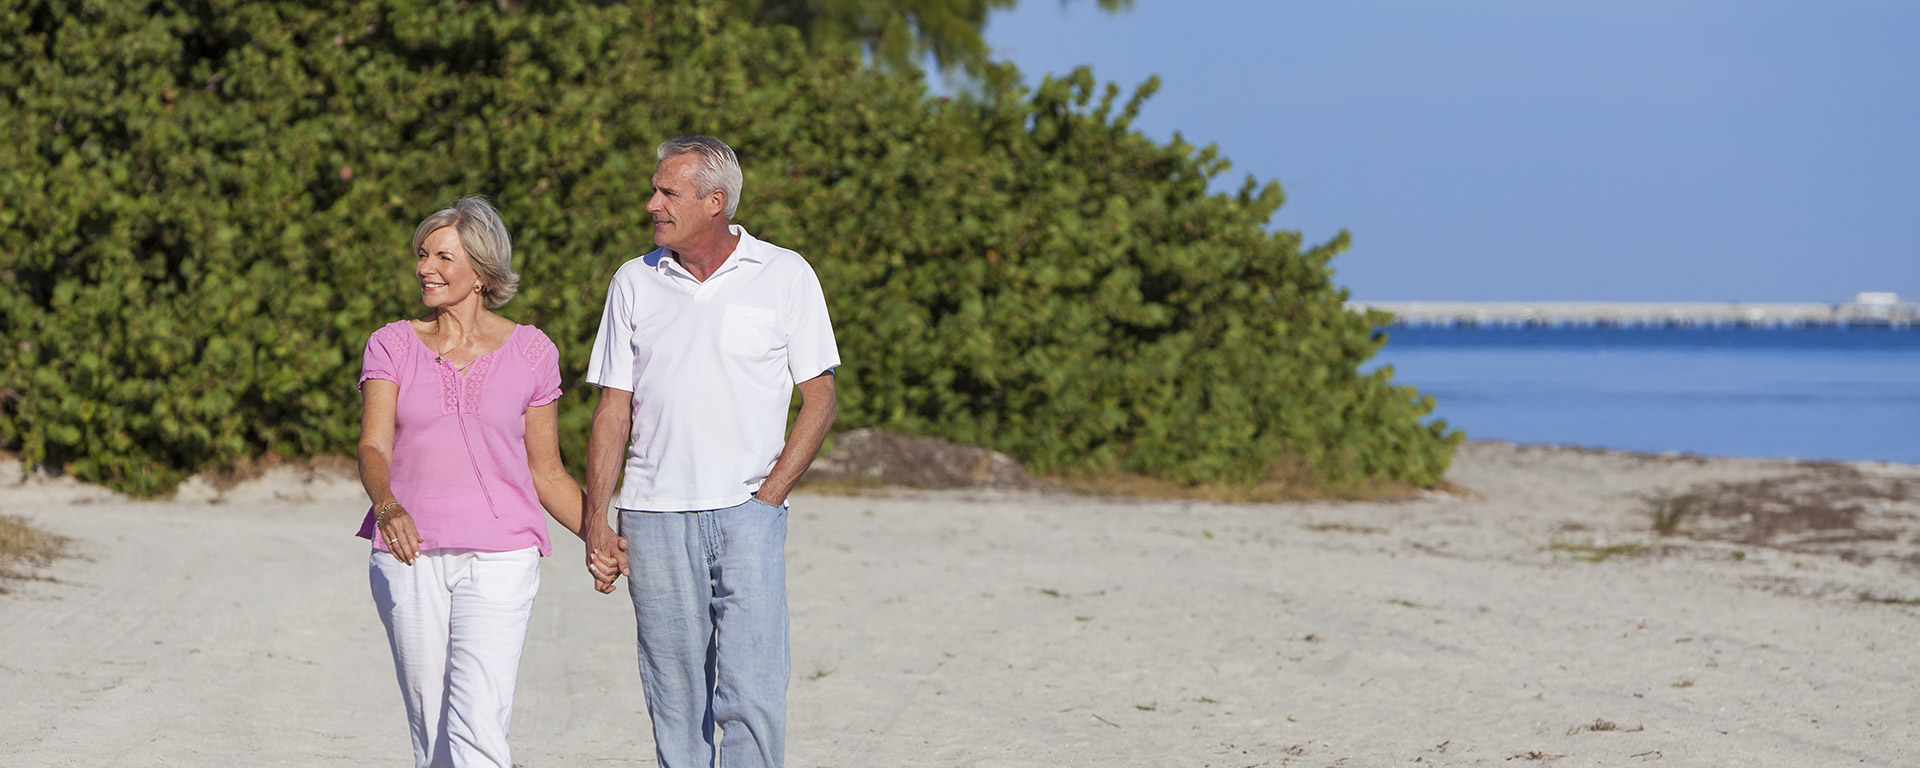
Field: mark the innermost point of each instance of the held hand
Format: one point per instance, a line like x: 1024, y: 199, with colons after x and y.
x: 605, y: 568
x: 403, y: 539
x: 606, y: 558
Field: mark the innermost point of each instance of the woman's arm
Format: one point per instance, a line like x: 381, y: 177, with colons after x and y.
x: 559, y: 493
x: 557, y: 490
x: 379, y: 400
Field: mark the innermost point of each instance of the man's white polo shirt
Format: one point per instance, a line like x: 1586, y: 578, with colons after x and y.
x: 712, y: 368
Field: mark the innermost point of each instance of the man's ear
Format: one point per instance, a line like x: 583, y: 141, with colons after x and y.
x: 716, y: 202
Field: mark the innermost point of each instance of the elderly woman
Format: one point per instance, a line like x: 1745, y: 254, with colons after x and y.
x: 459, y: 451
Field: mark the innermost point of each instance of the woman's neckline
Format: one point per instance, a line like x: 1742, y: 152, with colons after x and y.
x: 462, y: 369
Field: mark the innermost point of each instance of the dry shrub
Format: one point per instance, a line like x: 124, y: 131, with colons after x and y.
x: 1816, y: 507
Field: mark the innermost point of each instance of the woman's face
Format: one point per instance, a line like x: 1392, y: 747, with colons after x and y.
x: 446, y: 276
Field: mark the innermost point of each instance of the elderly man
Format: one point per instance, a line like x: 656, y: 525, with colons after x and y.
x: 700, y: 347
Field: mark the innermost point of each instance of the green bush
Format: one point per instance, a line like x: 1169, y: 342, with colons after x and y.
x: 205, y: 209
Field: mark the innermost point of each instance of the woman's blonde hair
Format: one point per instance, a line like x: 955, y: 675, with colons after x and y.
x: 486, y: 241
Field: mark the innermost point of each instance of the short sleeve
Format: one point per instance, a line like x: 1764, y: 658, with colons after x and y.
x: 611, y: 365
x: 382, y: 358
x: 543, y: 360
x: 811, y: 350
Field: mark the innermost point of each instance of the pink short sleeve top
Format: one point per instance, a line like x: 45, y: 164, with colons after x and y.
x: 459, y: 439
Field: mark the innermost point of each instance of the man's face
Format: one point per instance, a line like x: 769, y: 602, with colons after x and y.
x: 680, y: 214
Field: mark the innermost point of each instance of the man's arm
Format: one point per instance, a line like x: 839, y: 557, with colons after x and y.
x: 606, y: 456
x: 817, y: 412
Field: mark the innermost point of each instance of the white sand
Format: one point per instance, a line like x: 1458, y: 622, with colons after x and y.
x: 977, y: 629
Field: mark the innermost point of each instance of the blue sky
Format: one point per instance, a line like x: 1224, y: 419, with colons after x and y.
x: 1500, y: 150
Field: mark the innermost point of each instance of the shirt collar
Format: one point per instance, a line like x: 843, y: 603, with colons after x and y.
x: 749, y: 249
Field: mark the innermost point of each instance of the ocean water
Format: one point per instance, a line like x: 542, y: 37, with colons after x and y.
x: 1809, y: 393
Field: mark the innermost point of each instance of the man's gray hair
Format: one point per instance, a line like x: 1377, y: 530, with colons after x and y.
x: 719, y: 168
x: 489, y: 247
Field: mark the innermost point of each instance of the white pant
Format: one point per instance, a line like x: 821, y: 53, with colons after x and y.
x: 457, y: 620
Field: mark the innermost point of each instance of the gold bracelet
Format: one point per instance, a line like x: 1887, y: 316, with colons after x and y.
x: 380, y: 515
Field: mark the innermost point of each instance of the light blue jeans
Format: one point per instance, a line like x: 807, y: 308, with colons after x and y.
x: 710, y: 597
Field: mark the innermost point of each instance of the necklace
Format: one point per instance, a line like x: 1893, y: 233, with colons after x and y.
x: 439, y: 357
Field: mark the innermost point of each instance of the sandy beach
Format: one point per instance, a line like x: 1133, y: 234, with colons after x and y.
x: 1536, y: 620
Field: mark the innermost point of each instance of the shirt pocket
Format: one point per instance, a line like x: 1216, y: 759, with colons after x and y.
x: 747, y: 330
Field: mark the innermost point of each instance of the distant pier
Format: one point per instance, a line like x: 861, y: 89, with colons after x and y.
x: 1883, y: 310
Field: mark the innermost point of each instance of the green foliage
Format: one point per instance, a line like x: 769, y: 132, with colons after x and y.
x: 898, y: 34
x: 207, y: 206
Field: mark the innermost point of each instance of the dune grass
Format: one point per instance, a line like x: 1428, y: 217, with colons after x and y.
x: 1287, y: 481
x: 1670, y: 510
x: 24, y: 548
x: 1595, y: 553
